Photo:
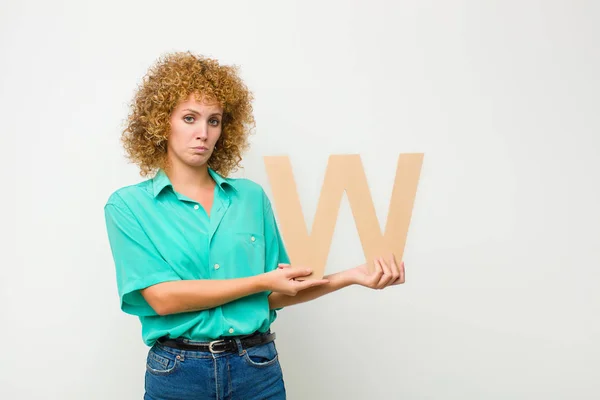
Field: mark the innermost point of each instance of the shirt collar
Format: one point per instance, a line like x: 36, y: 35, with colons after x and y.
x: 224, y: 183
x: 161, y: 181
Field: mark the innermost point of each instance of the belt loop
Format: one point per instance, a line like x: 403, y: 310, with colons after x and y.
x: 238, y: 343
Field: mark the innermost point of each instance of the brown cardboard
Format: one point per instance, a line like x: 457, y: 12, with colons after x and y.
x: 344, y: 173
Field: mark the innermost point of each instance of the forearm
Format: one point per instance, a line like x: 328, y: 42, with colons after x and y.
x: 337, y: 281
x: 194, y: 295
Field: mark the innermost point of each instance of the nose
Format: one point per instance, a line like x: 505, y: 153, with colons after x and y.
x: 202, y: 132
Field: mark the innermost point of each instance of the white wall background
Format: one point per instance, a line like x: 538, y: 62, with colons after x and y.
x: 503, y: 253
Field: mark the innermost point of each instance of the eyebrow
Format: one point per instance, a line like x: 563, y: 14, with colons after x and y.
x: 197, y: 112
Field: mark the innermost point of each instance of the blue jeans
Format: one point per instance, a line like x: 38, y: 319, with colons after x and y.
x: 250, y: 374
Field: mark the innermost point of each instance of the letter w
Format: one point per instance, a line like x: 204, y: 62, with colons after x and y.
x: 344, y: 173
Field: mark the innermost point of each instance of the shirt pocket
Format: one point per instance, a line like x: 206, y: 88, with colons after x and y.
x: 250, y: 249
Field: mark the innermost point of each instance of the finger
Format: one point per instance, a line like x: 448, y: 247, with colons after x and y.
x: 311, y: 283
x: 387, y: 274
x: 402, y: 273
x: 395, y: 270
x: 378, y: 269
x: 281, y: 265
x: 298, y: 272
x: 402, y: 277
x: 377, y: 274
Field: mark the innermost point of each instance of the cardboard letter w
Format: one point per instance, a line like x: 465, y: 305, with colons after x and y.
x: 344, y: 173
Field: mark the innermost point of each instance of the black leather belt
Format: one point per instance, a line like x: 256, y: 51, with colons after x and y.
x: 221, y: 345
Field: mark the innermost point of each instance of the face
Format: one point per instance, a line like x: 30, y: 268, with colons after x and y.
x: 195, y: 129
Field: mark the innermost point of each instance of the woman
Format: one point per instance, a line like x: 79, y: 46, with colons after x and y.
x: 198, y: 256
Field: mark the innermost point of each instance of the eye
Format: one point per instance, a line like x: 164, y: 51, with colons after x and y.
x: 214, y: 122
x: 187, y: 119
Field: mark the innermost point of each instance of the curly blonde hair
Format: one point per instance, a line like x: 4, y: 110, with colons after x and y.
x: 172, y: 79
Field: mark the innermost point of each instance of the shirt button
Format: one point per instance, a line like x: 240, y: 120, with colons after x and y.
x: 196, y: 207
x: 217, y: 266
x: 230, y: 330
x: 253, y: 238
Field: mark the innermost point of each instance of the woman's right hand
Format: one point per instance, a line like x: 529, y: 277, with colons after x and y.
x: 283, y: 280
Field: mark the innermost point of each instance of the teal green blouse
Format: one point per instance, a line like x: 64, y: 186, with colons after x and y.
x: 158, y: 235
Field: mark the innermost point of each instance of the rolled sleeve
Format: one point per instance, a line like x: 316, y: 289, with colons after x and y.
x: 137, y: 262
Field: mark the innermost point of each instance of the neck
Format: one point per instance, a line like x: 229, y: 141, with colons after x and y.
x: 185, y: 178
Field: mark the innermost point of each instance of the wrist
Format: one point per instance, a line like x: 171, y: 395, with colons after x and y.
x: 261, y: 283
x: 341, y: 279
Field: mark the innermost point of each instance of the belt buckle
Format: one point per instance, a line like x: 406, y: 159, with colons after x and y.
x: 212, y: 344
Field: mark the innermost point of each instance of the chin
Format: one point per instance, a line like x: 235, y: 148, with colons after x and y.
x: 191, y: 160
x: 198, y: 161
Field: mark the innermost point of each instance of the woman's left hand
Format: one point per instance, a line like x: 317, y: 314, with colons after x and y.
x: 385, y: 274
